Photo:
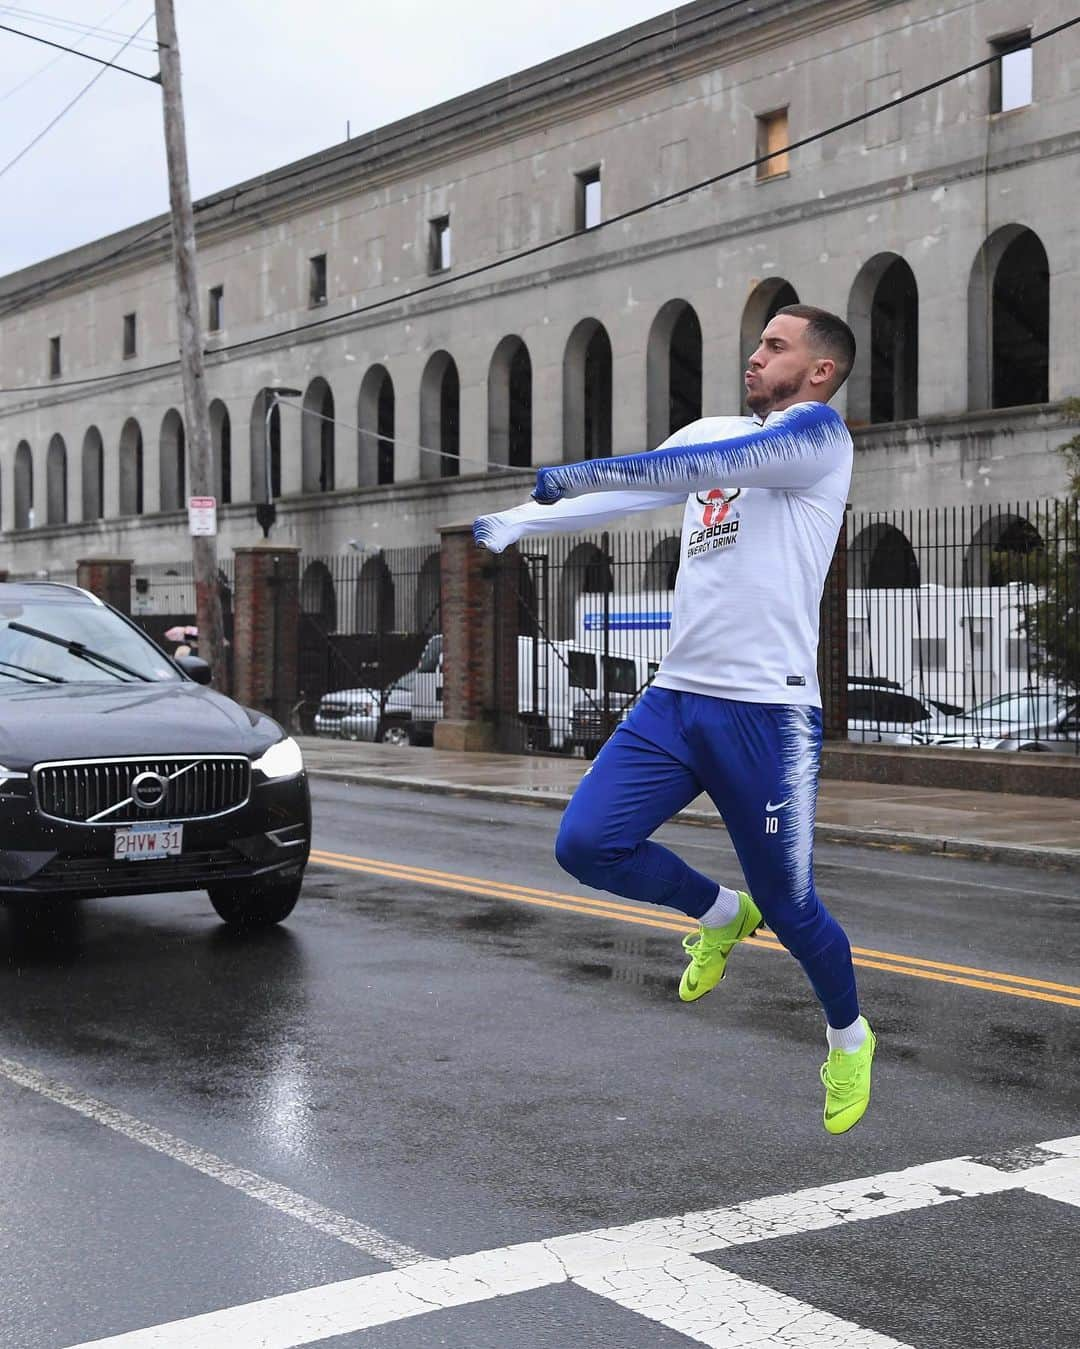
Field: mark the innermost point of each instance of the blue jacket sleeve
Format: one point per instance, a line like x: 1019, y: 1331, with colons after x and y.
x: 794, y: 451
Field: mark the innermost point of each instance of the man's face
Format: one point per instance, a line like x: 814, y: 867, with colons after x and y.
x: 784, y: 371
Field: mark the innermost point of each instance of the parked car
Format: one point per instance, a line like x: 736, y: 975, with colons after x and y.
x: 121, y: 774
x: 367, y: 714
x: 880, y: 712
x: 1037, y: 718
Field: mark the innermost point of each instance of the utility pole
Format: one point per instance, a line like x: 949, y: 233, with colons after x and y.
x: 203, y: 546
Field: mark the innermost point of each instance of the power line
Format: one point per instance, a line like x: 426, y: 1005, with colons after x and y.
x: 93, y: 30
x: 55, y: 60
x: 151, y: 79
x: 522, y: 254
x: 68, y: 106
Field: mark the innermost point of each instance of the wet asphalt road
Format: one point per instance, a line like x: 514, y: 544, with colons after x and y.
x: 460, y: 1072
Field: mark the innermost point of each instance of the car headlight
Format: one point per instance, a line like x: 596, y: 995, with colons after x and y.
x: 283, y: 760
x: 10, y: 775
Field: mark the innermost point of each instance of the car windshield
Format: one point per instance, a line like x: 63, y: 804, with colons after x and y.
x: 25, y: 658
x: 1017, y: 709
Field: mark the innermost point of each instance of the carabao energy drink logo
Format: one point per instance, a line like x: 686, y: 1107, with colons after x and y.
x: 720, y: 523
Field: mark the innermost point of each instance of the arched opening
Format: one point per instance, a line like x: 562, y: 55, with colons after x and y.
x: 265, y: 435
x: 883, y: 313
x: 317, y: 438
x: 318, y: 598
x: 510, y: 404
x: 673, y: 370
x: 429, y: 596
x: 766, y: 300
x: 1006, y: 547
x: 440, y: 418
x: 880, y: 557
x: 93, y: 475
x: 24, y: 486
x: 662, y: 566
x: 528, y: 609
x: 1009, y: 321
x: 173, y: 462
x: 56, y: 489
x: 587, y: 392
x: 375, y: 597
x: 586, y: 571
x: 221, y: 445
x: 375, y: 421
x: 131, y: 468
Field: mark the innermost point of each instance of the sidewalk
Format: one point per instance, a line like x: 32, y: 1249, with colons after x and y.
x: 992, y: 826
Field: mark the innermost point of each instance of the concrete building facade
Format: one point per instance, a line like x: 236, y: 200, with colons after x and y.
x: 394, y: 282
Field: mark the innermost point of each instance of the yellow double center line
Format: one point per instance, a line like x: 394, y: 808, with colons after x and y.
x: 915, y: 967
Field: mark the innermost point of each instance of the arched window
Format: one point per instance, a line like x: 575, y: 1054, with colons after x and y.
x: 662, y: 566
x: 318, y: 599
x: 93, y: 475
x: 221, y: 446
x: 440, y: 418
x: 173, y: 462
x: 131, y: 468
x: 764, y: 303
x: 375, y: 419
x: 1009, y: 321
x: 375, y: 597
x: 317, y: 438
x: 56, y: 489
x: 429, y: 596
x: 586, y: 571
x: 880, y: 557
x: 673, y: 370
x: 510, y: 404
x: 587, y: 392
x: 24, y: 486
x: 265, y: 436
x: 1006, y: 547
x: 883, y: 313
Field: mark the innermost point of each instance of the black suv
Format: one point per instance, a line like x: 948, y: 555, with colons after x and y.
x: 121, y: 774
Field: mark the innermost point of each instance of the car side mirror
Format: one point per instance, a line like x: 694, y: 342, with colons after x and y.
x: 195, y: 668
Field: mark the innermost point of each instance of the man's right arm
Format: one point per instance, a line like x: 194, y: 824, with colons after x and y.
x: 499, y: 531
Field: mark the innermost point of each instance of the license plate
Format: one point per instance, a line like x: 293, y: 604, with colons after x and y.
x: 142, y: 842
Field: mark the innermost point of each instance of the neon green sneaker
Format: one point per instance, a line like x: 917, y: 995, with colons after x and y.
x: 847, y: 1084
x: 709, y: 948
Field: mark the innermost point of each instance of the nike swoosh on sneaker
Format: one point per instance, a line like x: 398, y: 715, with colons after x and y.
x: 780, y: 806
x: 691, y: 984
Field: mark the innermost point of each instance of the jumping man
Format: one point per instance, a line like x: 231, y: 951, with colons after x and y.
x: 734, y: 709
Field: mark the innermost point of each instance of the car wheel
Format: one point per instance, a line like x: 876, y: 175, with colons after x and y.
x: 394, y: 733
x: 255, y: 904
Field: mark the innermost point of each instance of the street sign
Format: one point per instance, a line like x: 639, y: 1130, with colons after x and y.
x: 202, y: 515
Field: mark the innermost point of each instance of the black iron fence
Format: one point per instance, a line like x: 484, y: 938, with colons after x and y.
x: 365, y: 618
x: 163, y: 604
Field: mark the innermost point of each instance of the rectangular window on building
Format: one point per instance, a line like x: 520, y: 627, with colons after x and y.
x: 439, y: 244
x: 1011, y: 73
x: 54, y: 358
x: 129, y: 335
x: 772, y: 137
x: 588, y: 205
x: 317, y: 279
x: 216, y: 317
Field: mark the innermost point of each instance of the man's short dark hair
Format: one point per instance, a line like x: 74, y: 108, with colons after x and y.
x: 826, y: 333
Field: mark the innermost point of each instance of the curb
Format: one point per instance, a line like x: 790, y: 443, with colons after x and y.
x: 976, y: 850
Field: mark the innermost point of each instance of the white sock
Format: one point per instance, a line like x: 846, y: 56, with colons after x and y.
x: 725, y: 908
x: 848, y: 1038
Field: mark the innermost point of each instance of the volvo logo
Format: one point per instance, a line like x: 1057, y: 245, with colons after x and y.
x: 148, y: 790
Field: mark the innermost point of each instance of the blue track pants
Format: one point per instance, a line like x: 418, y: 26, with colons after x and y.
x: 759, y: 763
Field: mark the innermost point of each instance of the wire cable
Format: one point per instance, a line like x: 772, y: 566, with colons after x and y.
x: 109, y: 65
x: 93, y: 31
x: 555, y: 242
x: 9, y: 93
x: 68, y: 106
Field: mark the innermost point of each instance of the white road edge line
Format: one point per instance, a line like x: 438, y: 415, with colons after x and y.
x: 257, y: 1187
x: 642, y: 1261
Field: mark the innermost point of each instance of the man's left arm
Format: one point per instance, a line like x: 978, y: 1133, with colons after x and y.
x: 795, y: 451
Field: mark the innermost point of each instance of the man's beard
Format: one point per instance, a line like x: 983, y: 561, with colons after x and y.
x: 763, y: 402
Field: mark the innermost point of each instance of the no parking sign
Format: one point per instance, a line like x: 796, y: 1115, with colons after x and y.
x: 202, y: 515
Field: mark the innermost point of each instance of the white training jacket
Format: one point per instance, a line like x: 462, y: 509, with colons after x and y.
x: 764, y: 505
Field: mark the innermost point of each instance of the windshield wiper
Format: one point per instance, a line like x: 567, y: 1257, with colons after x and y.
x: 77, y: 649
x: 39, y: 674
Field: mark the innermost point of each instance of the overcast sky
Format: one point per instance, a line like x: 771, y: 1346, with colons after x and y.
x: 265, y: 82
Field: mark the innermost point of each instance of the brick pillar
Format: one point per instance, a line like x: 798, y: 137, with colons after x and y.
x: 479, y: 623
x: 109, y: 578
x: 833, y: 645
x: 266, y: 629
